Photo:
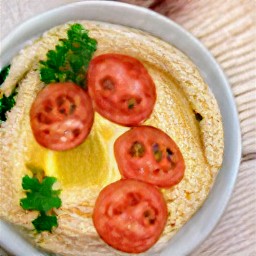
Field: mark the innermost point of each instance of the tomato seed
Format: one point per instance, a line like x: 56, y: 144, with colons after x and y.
x: 150, y: 216
x: 169, y: 154
x: 63, y: 111
x: 107, y: 83
x: 46, y: 132
x: 137, y: 149
x: 156, y: 171
x: 60, y: 101
x: 146, y: 214
x: 48, y: 108
x: 131, y: 103
x: 76, y: 132
x: 133, y: 199
x: 72, y: 108
x: 117, y: 211
x: 171, y: 157
x: 42, y: 118
x: 157, y: 152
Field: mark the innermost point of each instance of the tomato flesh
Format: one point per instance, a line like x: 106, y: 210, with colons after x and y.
x: 130, y: 215
x: 61, y: 116
x: 121, y: 89
x: 148, y: 154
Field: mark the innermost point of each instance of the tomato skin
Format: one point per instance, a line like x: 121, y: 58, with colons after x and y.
x: 148, y: 154
x: 121, y: 89
x: 61, y: 116
x: 130, y: 215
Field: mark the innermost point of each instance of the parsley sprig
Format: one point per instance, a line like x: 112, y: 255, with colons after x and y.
x: 70, y: 59
x: 41, y: 197
x: 6, y: 103
x: 45, y: 222
x: 4, y: 73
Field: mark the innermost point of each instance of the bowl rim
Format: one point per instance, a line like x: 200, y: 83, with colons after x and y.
x: 148, y: 21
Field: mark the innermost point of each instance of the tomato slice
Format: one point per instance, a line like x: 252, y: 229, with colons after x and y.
x: 130, y: 215
x: 121, y: 89
x: 148, y: 154
x: 61, y: 116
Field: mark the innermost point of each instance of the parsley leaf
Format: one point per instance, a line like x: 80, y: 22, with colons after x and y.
x: 41, y: 197
x: 70, y: 59
x: 45, y: 222
x: 6, y: 103
x: 4, y: 73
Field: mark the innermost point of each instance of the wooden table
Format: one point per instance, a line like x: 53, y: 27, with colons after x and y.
x: 228, y: 30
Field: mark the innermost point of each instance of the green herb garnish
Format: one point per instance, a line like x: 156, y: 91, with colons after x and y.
x: 70, y: 59
x: 6, y: 103
x: 45, y: 222
x: 4, y: 73
x: 41, y: 197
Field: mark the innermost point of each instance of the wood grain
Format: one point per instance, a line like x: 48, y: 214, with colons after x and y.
x: 228, y: 30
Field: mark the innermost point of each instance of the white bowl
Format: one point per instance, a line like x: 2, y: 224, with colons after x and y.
x: 203, y: 222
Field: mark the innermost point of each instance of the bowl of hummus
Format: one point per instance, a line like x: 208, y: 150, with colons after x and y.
x: 53, y: 191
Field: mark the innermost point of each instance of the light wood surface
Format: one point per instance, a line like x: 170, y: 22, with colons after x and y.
x: 228, y: 30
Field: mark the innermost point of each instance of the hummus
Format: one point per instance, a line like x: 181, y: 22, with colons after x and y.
x: 182, y: 97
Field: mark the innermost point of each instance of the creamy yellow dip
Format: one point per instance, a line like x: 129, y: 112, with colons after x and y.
x: 82, y: 172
